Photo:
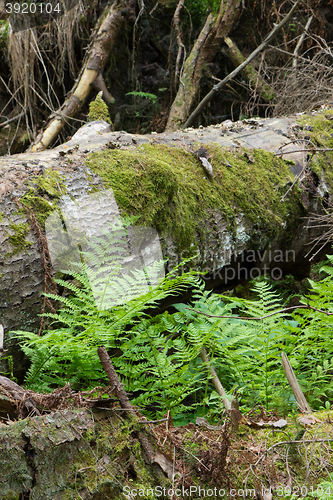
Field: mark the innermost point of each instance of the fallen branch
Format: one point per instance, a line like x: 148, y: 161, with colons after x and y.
x: 14, y: 400
x: 123, y: 398
x: 206, y: 100
x: 250, y: 73
x: 293, y: 382
x: 216, y: 381
x: 100, y: 50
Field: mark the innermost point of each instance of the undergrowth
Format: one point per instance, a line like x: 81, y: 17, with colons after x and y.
x: 158, y: 358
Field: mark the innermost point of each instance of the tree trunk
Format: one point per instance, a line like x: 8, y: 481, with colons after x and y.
x: 103, y: 43
x: 211, y: 37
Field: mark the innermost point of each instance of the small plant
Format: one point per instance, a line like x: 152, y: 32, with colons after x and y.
x: 98, y: 110
x: 144, y: 95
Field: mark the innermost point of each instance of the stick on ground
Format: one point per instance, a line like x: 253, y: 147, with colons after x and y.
x: 123, y: 398
x: 295, y: 387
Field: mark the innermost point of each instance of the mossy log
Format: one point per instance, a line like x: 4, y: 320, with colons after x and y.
x: 235, y: 225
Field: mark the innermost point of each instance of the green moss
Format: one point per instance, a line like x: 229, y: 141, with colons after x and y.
x: 44, y: 192
x: 168, y: 189
x: 17, y: 240
x: 51, y: 183
x: 98, y: 110
x: 41, y: 207
x: 319, y: 128
x: 1, y: 216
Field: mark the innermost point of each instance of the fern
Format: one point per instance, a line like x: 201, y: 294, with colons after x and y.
x: 68, y: 352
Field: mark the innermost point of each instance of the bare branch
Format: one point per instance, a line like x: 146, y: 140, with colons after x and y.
x: 300, y: 41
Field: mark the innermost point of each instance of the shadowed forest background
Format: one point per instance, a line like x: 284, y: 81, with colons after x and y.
x: 158, y: 60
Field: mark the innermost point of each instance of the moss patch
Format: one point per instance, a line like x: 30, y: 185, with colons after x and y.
x: 17, y: 240
x: 319, y: 128
x: 98, y: 110
x: 50, y: 183
x: 41, y: 207
x: 168, y: 189
x: 43, y: 195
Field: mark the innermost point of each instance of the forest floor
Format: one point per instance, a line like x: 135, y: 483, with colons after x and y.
x: 84, y: 446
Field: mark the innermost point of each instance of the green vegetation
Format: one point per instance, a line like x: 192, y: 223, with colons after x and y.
x: 144, y: 95
x: 17, y: 240
x: 167, y: 188
x: 319, y: 129
x: 43, y: 195
x: 98, y: 110
x: 41, y: 207
x: 158, y: 359
x: 50, y: 183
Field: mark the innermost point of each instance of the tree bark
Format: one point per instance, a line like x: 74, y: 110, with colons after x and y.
x: 211, y: 37
x: 100, y: 50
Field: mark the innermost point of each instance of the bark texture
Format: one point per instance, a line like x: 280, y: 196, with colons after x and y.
x: 69, y: 454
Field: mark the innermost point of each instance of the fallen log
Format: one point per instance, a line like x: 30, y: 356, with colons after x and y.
x: 236, y: 225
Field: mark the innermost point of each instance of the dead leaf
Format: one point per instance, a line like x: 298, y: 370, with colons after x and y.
x: 166, y: 465
x: 307, y: 420
x: 270, y: 423
x: 279, y: 423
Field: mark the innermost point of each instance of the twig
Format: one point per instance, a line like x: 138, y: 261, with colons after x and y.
x: 123, y: 398
x: 17, y: 117
x: 293, y: 382
x: 299, y: 43
x: 305, y: 165
x: 181, y: 46
x: 216, y: 381
x: 153, y: 421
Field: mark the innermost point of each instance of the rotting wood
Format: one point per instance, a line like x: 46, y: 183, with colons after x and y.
x: 295, y: 387
x: 123, y: 398
x: 14, y: 400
